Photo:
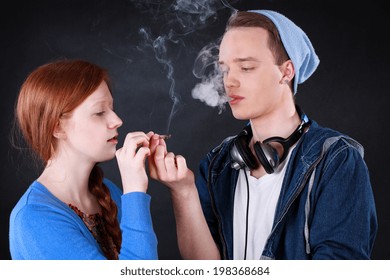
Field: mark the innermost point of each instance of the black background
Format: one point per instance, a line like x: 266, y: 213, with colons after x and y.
x: 348, y: 92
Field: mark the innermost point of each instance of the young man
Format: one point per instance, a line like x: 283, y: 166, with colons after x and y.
x: 285, y: 187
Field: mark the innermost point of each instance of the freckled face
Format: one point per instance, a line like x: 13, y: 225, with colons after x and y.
x: 91, y: 129
x: 251, y: 77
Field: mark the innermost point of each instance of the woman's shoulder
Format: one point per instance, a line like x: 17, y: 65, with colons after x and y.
x: 37, y: 205
x: 37, y: 195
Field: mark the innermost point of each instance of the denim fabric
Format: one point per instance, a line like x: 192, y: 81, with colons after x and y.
x: 326, y: 208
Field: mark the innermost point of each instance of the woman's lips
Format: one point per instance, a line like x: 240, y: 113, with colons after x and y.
x: 113, y: 140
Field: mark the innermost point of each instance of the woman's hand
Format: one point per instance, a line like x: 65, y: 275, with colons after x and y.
x: 131, y: 161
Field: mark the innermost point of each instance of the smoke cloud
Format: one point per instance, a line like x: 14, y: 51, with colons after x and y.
x: 159, y: 46
x: 183, y: 17
x: 210, y: 90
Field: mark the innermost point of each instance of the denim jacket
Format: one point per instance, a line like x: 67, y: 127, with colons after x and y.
x: 326, y: 208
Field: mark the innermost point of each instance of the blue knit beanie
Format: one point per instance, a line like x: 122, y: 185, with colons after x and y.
x: 297, y: 45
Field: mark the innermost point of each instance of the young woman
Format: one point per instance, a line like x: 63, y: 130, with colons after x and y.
x: 71, y: 211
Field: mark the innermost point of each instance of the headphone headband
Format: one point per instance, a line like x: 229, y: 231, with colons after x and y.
x: 288, y: 142
x: 266, y: 154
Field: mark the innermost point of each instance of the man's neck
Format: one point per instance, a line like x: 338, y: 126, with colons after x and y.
x: 279, y: 122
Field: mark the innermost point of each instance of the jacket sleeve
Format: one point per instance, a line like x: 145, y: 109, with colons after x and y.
x: 343, y: 218
x: 202, y: 182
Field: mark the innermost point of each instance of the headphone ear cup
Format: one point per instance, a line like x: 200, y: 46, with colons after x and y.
x: 242, y: 155
x: 267, y: 155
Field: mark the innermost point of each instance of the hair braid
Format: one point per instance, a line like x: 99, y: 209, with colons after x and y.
x: 108, y: 206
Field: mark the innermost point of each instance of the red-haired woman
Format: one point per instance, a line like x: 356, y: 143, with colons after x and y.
x: 71, y: 211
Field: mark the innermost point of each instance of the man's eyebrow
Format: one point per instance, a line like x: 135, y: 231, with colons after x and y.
x: 242, y: 59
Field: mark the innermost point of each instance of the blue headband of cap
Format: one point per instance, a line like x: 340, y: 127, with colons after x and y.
x: 297, y: 44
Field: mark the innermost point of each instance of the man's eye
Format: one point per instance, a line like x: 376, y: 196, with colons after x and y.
x: 100, y: 113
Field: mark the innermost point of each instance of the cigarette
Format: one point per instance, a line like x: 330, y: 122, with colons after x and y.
x: 165, y: 136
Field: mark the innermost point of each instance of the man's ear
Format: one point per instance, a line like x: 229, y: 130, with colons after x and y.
x: 59, y: 132
x: 288, y: 71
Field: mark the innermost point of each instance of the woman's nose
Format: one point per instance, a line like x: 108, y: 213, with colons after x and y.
x: 115, y: 121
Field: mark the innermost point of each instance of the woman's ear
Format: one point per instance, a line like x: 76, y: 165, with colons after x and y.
x: 59, y: 132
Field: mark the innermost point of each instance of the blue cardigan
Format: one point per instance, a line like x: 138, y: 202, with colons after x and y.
x: 43, y: 227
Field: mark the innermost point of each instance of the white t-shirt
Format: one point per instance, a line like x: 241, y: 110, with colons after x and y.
x: 263, y: 197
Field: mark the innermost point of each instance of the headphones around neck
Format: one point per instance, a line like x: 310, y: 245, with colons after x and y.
x: 266, y: 153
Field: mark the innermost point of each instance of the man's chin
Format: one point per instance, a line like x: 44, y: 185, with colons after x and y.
x: 240, y: 117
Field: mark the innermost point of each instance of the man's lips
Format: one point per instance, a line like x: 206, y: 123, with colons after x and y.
x: 233, y: 99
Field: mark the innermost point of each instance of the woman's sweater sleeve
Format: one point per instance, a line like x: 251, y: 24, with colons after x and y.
x: 138, y: 237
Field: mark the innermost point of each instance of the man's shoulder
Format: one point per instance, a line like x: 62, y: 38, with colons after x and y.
x: 319, y: 138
